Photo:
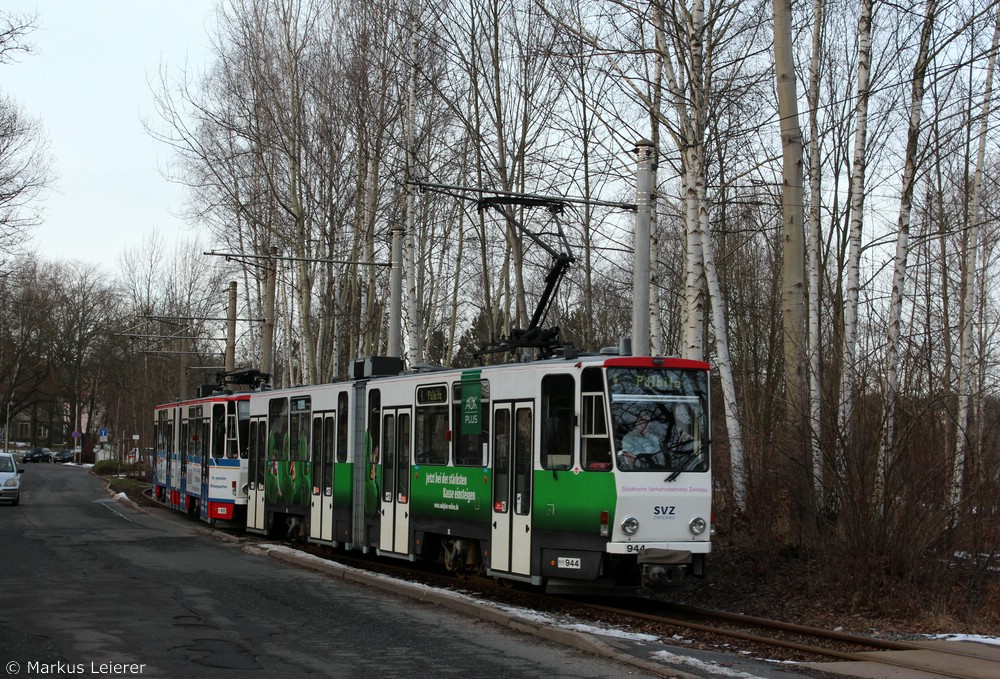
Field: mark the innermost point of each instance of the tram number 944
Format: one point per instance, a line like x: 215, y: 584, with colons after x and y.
x: 568, y: 562
x: 634, y: 548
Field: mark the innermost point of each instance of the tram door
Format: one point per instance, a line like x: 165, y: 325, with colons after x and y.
x: 512, y: 465
x: 255, y: 474
x: 394, y: 455
x: 324, y: 433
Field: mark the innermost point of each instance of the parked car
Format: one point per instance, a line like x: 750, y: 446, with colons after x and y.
x: 38, y: 455
x: 62, y: 456
x: 10, y: 479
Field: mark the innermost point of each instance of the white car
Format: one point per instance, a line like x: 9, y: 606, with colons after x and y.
x: 10, y: 479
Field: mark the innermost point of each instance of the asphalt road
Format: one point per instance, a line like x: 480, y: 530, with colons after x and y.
x: 94, y: 587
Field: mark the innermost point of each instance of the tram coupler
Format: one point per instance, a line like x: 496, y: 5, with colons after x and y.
x: 664, y: 567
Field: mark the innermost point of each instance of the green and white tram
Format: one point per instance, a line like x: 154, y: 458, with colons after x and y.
x: 579, y: 473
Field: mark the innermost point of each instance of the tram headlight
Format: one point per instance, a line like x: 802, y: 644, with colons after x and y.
x: 630, y: 525
x: 697, y: 525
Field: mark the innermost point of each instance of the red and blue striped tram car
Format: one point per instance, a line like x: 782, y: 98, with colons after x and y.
x: 201, y: 451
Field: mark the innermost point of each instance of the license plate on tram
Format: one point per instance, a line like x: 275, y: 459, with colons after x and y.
x: 568, y: 562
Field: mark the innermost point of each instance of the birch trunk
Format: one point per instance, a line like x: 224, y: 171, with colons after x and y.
x: 412, y: 308
x: 848, y: 362
x: 723, y: 363
x: 813, y: 250
x: 963, y: 443
x: 793, y: 250
x: 899, y: 275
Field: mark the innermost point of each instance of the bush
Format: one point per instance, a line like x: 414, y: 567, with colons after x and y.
x: 111, y: 467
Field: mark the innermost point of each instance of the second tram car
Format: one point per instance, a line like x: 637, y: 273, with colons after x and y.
x: 200, y: 458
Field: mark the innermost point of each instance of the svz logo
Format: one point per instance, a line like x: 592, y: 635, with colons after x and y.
x: 664, y: 512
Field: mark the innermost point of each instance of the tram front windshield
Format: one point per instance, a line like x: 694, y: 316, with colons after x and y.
x: 659, y: 419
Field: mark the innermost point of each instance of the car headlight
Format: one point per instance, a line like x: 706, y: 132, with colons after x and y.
x: 11, y: 482
x: 630, y: 525
x: 697, y: 525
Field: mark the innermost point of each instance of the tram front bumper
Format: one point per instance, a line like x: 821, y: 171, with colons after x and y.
x: 664, y: 567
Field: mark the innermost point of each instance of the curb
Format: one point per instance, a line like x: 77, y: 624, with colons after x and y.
x: 460, y: 604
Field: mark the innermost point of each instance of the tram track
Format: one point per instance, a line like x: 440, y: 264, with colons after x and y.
x: 761, y: 637
x: 767, y: 638
x: 835, y: 644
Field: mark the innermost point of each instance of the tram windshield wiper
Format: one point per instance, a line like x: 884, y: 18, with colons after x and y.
x: 689, y: 460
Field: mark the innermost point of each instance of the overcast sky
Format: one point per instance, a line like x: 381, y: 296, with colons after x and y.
x: 88, y: 83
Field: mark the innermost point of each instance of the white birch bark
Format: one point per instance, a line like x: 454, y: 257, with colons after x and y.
x: 899, y: 275
x: 694, y: 274
x: 962, y: 440
x: 722, y: 361
x: 793, y: 251
x: 812, y: 253
x: 692, y: 125
x: 848, y: 362
x: 414, y: 324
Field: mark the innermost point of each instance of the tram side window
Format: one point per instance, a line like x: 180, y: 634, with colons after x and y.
x: 522, y: 462
x: 243, y: 428
x: 256, y: 453
x: 329, y: 443
x: 431, y: 425
x: 342, y: 427
x: 403, y: 460
x: 300, y: 428
x: 317, y: 452
x: 558, y: 414
x: 218, y: 430
x: 374, y: 430
x: 277, y: 421
x: 261, y: 442
x: 595, y: 441
x: 388, y: 455
x: 501, y: 460
x: 470, y: 415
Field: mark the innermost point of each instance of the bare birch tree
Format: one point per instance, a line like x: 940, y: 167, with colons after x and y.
x: 849, y: 351
x: 793, y: 254
x: 891, y: 394
x: 970, y: 266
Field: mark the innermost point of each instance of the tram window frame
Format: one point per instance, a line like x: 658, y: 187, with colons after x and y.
x: 342, y: 427
x: 329, y: 450
x: 558, y: 416
x: 218, y: 444
x: 471, y: 450
x: 243, y: 428
x: 255, y: 446
x: 300, y: 424
x: 501, y: 459
x: 316, y: 453
x: 183, y: 443
x: 430, y: 425
x: 523, y: 457
x: 388, y: 457
x: 195, y: 434
x: 595, y: 435
x: 261, y: 462
x: 277, y: 427
x: 374, y: 428
x: 402, y: 458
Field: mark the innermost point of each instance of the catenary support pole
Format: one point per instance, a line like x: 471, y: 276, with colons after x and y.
x: 646, y: 155
x: 267, y: 348
x: 231, y: 330
x: 396, y: 291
